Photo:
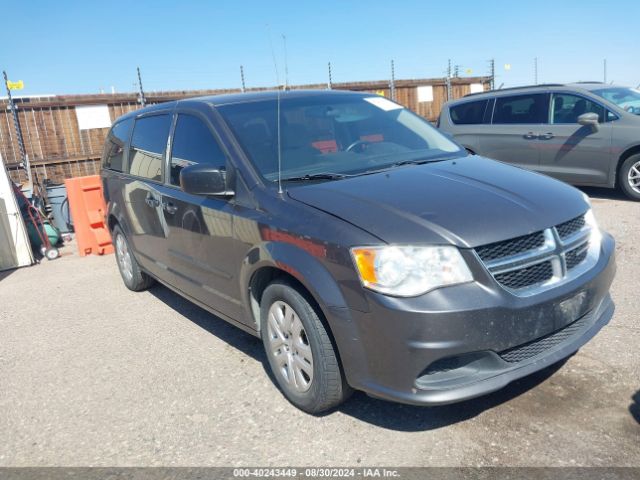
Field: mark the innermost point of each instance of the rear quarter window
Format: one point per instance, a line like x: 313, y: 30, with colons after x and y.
x: 521, y: 109
x: 468, y: 113
x: 148, y: 144
x: 115, y: 144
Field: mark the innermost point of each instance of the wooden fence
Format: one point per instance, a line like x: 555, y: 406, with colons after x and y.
x: 57, y: 148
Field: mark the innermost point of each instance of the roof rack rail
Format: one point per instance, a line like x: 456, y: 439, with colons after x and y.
x: 522, y: 87
x: 589, y: 81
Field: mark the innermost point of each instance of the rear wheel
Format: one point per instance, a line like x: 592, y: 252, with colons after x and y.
x: 299, y: 350
x: 132, y: 275
x: 629, y: 178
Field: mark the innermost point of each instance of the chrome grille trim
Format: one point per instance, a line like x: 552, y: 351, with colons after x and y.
x: 554, y: 250
x: 524, y: 259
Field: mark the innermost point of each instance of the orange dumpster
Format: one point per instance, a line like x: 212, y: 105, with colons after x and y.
x: 87, y: 207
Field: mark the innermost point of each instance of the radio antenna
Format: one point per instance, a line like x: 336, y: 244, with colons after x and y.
x: 275, y: 67
x: 286, y: 65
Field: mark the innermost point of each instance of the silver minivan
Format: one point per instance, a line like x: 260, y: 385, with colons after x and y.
x: 581, y: 133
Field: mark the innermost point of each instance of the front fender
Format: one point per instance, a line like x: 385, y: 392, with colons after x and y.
x: 306, y: 266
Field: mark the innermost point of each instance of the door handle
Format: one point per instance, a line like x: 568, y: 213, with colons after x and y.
x: 530, y: 136
x: 169, y: 207
x: 152, y: 201
x: 546, y: 136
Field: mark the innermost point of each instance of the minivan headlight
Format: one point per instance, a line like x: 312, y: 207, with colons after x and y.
x: 408, y: 271
x: 595, y: 238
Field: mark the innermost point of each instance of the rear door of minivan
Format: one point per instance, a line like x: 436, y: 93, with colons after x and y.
x: 515, y: 126
x: 201, y: 251
x: 147, y: 229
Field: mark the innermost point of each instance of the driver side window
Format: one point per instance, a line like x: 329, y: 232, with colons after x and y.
x: 566, y: 109
x: 193, y: 143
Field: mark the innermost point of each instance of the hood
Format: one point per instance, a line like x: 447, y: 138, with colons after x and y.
x: 468, y: 202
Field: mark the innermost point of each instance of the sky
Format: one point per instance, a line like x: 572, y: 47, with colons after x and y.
x: 85, y: 46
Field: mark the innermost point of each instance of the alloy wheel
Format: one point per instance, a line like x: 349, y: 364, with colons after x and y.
x: 124, y: 257
x: 289, y: 346
x: 633, y: 177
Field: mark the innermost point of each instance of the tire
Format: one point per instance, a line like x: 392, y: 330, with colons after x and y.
x: 630, y: 167
x: 132, y: 275
x: 312, y: 388
x: 52, y: 253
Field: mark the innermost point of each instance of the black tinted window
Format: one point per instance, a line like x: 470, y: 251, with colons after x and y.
x: 115, y: 144
x: 521, y: 109
x: 147, y: 146
x: 468, y: 113
x: 193, y: 143
x: 567, y: 108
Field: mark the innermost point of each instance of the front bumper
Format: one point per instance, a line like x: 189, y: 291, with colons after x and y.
x: 461, y: 342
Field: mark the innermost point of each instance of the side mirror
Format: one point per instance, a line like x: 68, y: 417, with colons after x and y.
x: 204, y: 180
x: 590, y: 119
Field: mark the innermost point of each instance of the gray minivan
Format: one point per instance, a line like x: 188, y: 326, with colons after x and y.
x: 365, y: 248
x: 581, y: 133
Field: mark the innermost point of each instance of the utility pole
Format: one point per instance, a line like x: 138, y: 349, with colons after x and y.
x: 244, y: 88
x: 143, y: 100
x: 456, y: 71
x: 392, y: 84
x: 16, y: 123
x: 492, y: 73
x: 330, y: 82
x: 535, y: 71
x: 449, y: 80
x: 604, y: 67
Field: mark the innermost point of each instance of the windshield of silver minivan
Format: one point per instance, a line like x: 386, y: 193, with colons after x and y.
x: 330, y: 136
x: 627, y: 98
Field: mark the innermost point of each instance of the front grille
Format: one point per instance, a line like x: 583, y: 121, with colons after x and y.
x: 523, y: 264
x: 576, y: 256
x: 541, y: 345
x: 526, y: 277
x: 567, y: 229
x: 511, y: 247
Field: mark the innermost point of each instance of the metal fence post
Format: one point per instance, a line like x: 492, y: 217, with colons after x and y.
x: 16, y: 123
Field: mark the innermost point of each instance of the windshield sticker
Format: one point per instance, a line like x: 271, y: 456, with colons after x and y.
x: 383, y: 103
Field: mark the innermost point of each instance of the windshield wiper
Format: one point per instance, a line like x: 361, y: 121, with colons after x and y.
x: 317, y: 176
x: 420, y: 161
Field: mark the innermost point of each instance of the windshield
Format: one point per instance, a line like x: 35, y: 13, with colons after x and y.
x: 626, y: 98
x: 333, y: 135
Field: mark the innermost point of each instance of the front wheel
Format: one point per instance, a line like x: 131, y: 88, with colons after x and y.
x: 629, y: 177
x: 299, y: 350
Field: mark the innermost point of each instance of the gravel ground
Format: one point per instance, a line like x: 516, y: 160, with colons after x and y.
x: 92, y: 374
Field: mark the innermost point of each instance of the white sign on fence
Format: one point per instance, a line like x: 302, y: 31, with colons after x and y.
x: 93, y: 116
x: 425, y: 93
x: 476, y: 88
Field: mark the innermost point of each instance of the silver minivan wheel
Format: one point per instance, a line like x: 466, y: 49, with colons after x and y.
x: 633, y: 176
x: 629, y: 177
